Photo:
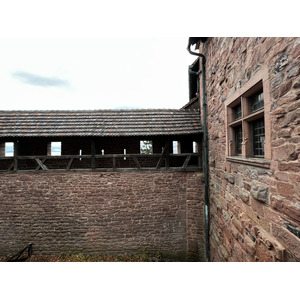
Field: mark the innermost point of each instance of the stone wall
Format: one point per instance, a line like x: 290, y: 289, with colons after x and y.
x: 255, y: 211
x: 103, y: 213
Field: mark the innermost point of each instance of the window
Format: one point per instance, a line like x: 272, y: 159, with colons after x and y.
x: 238, y: 140
x: 258, y: 137
x: 238, y: 112
x: 146, y: 147
x: 195, y: 147
x: 247, y: 119
x: 55, y: 148
x: 9, y: 149
x: 257, y: 102
x: 176, y: 147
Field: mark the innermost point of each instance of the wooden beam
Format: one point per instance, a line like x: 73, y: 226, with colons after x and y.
x: 137, y: 162
x: 11, y: 166
x: 70, y: 163
x: 16, y: 153
x: 41, y: 164
x: 186, y: 162
x: 159, y: 163
x: 167, y: 158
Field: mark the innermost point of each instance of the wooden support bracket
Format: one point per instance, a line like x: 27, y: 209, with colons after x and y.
x: 186, y: 162
x: 11, y: 166
x: 41, y: 164
x: 137, y: 162
x: 70, y: 163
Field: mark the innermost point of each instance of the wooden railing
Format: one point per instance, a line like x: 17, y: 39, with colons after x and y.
x: 107, y: 162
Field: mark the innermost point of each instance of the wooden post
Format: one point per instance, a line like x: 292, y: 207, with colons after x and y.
x: 114, y: 161
x: 93, y: 153
x: 199, y: 145
x: 167, y: 152
x: 16, y: 153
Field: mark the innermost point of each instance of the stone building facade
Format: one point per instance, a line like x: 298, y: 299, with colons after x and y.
x: 100, y: 194
x: 103, y: 213
x: 253, y: 120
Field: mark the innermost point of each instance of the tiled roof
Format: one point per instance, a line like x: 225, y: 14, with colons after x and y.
x: 99, y: 123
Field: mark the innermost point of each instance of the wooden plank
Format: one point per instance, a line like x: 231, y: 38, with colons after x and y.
x: 137, y: 162
x: 11, y: 166
x: 70, y: 163
x: 41, y: 164
x: 185, y: 164
x: 38, y: 167
x: 159, y: 163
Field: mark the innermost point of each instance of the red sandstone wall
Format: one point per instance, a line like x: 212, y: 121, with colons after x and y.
x: 245, y: 227
x: 103, y: 213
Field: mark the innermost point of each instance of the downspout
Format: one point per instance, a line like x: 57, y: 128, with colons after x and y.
x: 205, y: 143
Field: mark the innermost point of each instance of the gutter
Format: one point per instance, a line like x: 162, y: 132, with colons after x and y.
x: 205, y: 138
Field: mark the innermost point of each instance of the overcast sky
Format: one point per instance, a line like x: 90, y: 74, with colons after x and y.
x: 93, y: 73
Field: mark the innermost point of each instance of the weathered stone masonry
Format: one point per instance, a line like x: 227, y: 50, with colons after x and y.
x: 255, y: 211
x: 103, y: 213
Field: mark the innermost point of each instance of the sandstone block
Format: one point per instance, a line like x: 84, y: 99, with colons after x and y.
x: 230, y: 178
x: 244, y: 196
x: 285, y: 189
x: 285, y: 153
x: 289, y: 208
x: 259, y: 192
x: 281, y: 63
x: 237, y: 224
x: 293, y: 70
x: 268, y: 248
x: 287, y: 240
x: 278, y: 80
x: 296, y: 85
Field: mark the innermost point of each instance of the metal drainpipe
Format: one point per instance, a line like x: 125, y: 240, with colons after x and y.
x: 205, y: 142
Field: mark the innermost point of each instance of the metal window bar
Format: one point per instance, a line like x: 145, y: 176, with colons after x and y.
x: 258, y: 135
x: 238, y: 112
x: 257, y: 102
x: 238, y: 140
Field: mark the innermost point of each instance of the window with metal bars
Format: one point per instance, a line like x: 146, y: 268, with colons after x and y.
x: 257, y: 102
x: 238, y: 112
x: 258, y: 137
x: 238, y: 140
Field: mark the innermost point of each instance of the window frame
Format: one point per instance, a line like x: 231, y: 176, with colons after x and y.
x: 258, y: 83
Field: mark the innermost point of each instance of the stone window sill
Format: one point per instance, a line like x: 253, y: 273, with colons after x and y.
x: 257, y: 162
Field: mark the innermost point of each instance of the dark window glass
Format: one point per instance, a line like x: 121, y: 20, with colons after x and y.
x: 238, y: 112
x: 238, y: 140
x: 258, y: 132
x: 257, y: 102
